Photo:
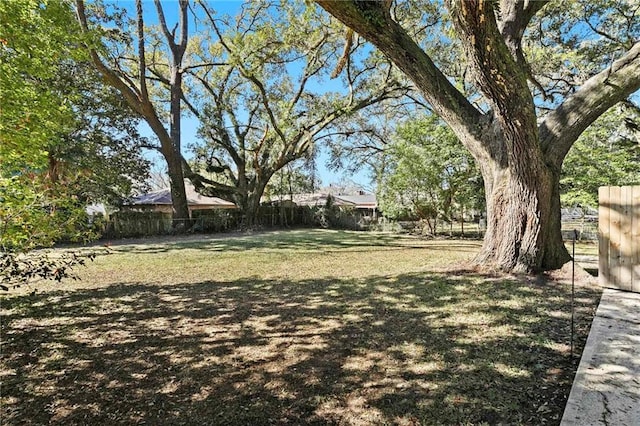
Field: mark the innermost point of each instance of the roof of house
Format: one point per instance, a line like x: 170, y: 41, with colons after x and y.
x: 365, y: 201
x: 163, y: 197
x: 361, y: 200
x: 317, y: 199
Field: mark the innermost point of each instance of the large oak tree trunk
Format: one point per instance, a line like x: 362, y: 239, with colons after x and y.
x: 251, y: 212
x: 251, y: 203
x: 519, y: 200
x: 523, y: 227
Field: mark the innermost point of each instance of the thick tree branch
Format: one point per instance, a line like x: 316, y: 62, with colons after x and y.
x: 128, y: 90
x: 131, y: 94
x: 514, y: 17
x: 502, y: 82
x: 495, y: 70
x: 562, y: 127
x: 373, y: 21
x: 184, y: 22
x: 207, y: 186
x: 165, y: 30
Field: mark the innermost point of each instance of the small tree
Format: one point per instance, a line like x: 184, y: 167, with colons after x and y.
x: 428, y: 174
x: 36, y: 38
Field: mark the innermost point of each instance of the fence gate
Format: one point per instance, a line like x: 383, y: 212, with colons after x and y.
x: 619, y: 237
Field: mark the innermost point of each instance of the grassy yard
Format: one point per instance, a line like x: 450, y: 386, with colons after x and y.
x: 297, y: 327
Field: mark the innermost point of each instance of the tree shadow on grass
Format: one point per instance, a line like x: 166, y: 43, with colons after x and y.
x: 300, y: 240
x: 409, y: 349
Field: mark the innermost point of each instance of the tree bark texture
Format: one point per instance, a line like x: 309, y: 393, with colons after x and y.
x: 520, y: 160
x: 137, y: 97
x: 173, y: 147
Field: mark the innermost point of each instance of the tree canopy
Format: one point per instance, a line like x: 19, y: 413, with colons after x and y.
x: 261, y: 84
x: 34, y: 39
x: 65, y: 140
x: 428, y: 174
x: 264, y: 105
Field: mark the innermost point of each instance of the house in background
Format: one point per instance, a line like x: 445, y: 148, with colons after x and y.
x: 160, y: 201
x: 365, y: 204
x: 150, y: 213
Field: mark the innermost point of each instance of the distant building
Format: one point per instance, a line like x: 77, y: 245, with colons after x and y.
x: 160, y: 201
x: 362, y: 203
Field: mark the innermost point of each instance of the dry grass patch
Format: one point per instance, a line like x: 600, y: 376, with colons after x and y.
x: 304, y: 327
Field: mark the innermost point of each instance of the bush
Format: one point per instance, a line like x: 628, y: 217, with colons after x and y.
x: 214, y: 220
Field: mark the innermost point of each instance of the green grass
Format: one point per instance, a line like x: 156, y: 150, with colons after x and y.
x: 298, y: 327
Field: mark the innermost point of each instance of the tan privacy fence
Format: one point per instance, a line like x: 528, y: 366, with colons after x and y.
x: 619, y: 237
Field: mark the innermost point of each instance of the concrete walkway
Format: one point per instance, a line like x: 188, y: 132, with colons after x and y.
x: 606, y: 389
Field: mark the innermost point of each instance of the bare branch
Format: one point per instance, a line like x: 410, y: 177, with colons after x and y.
x: 204, y: 65
x: 163, y: 25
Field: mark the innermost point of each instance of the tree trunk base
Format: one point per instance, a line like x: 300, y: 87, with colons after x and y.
x: 555, y: 257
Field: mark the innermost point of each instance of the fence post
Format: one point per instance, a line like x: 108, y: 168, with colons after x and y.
x: 603, y: 235
x: 635, y: 239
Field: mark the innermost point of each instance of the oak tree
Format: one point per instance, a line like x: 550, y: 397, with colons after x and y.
x: 522, y: 105
x: 270, y: 97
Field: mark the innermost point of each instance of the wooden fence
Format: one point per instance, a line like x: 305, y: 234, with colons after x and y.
x: 136, y: 224
x: 619, y: 237
x: 126, y: 224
